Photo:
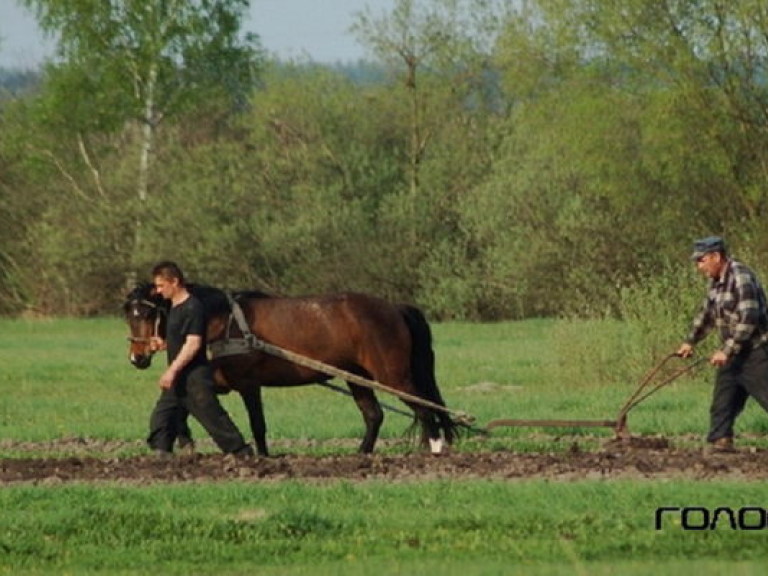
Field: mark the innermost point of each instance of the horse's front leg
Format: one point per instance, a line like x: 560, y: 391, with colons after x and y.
x: 253, y: 405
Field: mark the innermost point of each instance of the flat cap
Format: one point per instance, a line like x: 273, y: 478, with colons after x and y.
x: 707, y: 245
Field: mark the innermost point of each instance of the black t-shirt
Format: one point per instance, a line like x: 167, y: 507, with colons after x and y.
x: 185, y: 319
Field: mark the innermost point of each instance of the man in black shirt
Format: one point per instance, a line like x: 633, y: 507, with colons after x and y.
x: 188, y: 380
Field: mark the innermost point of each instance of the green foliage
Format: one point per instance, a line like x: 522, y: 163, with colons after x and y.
x: 168, y: 54
x: 124, y: 70
x: 655, y: 312
x: 504, y: 161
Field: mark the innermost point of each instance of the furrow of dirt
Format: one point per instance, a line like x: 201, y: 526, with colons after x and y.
x: 619, y: 461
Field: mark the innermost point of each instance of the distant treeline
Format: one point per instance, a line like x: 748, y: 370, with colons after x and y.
x: 14, y: 81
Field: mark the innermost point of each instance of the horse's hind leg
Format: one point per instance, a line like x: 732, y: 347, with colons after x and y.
x: 430, y: 427
x: 255, y: 409
x: 373, y: 415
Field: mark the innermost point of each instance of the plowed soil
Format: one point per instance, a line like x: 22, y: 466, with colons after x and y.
x: 651, y: 458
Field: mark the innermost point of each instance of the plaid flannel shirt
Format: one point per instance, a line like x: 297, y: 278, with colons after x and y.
x: 735, y: 305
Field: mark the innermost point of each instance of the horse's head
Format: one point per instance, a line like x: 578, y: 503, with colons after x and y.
x: 146, y: 315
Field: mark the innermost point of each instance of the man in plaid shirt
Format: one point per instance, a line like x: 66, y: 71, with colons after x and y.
x: 736, y: 306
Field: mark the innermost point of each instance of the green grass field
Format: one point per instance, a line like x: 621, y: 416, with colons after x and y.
x: 71, y: 379
x: 341, y: 528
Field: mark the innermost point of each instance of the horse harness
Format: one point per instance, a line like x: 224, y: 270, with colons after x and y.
x: 230, y: 346
x: 249, y: 342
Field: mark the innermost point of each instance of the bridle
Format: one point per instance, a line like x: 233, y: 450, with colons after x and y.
x: 134, y: 306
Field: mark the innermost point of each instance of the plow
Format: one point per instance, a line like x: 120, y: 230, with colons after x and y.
x: 654, y: 380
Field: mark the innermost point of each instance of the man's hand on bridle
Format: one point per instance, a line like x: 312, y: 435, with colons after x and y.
x: 156, y: 343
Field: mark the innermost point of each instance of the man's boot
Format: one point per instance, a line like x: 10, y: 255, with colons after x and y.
x: 724, y: 444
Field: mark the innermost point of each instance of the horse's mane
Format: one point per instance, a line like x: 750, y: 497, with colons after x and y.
x: 215, y: 300
x: 250, y: 295
x: 142, y: 290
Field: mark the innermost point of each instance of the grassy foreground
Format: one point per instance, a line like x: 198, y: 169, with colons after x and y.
x: 71, y: 379
x: 291, y: 528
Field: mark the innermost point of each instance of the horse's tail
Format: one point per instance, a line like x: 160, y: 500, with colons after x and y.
x: 423, y: 366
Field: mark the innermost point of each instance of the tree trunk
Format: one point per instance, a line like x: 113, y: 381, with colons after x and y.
x: 147, y: 144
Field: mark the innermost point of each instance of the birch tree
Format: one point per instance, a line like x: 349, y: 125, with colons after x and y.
x: 136, y: 64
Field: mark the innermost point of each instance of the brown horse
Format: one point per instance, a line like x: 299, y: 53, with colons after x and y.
x: 357, y: 333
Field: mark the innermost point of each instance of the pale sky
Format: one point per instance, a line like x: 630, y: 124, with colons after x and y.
x: 317, y: 29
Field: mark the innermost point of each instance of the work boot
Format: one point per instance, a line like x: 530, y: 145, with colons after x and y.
x: 186, y: 446
x: 724, y: 444
x: 245, y: 452
x: 234, y: 461
x: 162, y: 455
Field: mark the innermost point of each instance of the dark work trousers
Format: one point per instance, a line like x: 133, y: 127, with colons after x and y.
x: 744, y: 376
x: 194, y: 391
x: 183, y: 433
